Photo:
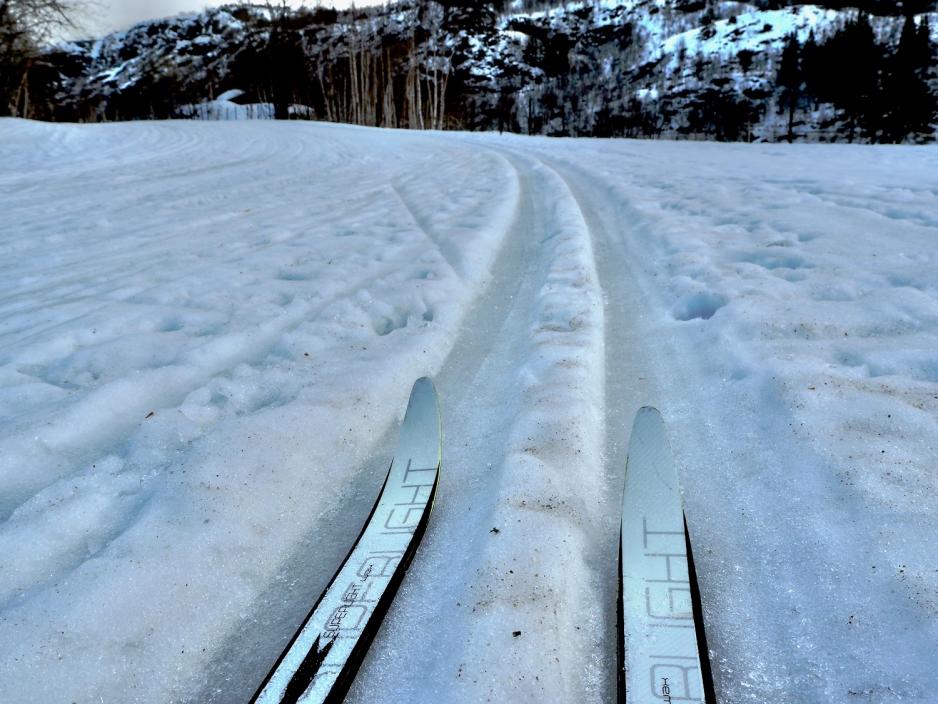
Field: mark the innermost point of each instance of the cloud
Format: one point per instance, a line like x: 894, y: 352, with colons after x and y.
x: 112, y: 15
x: 124, y: 13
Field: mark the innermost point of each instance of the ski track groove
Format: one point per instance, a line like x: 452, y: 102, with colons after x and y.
x: 478, y: 504
x: 463, y: 509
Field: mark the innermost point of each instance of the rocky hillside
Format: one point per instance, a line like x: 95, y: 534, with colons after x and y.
x: 767, y: 70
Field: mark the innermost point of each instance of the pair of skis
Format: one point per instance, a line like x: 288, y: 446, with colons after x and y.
x: 661, y: 636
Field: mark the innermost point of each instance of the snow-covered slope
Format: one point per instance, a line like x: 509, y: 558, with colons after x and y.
x: 208, y: 341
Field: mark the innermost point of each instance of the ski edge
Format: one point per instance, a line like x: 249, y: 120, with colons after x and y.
x: 703, y: 651
x: 356, y: 658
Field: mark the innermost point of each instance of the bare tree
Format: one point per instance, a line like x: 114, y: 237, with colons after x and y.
x: 25, y: 26
x: 284, y: 56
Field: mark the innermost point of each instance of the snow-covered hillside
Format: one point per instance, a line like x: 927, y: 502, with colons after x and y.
x: 646, y: 68
x: 208, y: 333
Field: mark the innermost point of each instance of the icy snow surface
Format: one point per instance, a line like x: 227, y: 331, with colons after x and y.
x: 208, y: 333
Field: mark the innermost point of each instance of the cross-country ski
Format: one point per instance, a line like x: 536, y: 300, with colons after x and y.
x: 661, y: 633
x: 325, y: 654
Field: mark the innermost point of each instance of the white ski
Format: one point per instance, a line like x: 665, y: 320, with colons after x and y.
x: 659, y: 657
x: 319, y: 664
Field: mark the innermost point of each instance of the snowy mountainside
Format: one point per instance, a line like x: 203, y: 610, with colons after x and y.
x: 616, y: 67
x: 645, y: 68
x: 197, y: 46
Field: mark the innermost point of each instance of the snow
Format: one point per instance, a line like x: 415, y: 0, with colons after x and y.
x: 215, y: 294
x: 208, y: 332
x: 751, y: 31
x: 231, y: 95
x: 225, y: 108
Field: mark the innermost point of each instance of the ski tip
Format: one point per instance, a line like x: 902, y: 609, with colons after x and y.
x: 648, y: 411
x: 649, y: 448
x: 424, y: 383
x: 648, y: 416
x: 422, y: 418
x: 423, y: 392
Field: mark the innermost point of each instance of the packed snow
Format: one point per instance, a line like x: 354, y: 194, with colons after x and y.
x: 208, y: 333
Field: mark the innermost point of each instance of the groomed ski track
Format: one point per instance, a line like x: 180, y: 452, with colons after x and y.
x: 511, y: 595
x: 508, y: 480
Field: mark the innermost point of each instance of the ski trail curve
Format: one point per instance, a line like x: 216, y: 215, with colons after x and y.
x: 524, y: 492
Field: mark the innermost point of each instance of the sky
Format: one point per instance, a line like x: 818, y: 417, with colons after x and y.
x: 111, y: 15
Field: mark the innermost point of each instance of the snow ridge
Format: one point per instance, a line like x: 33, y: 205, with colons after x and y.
x: 551, y: 498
